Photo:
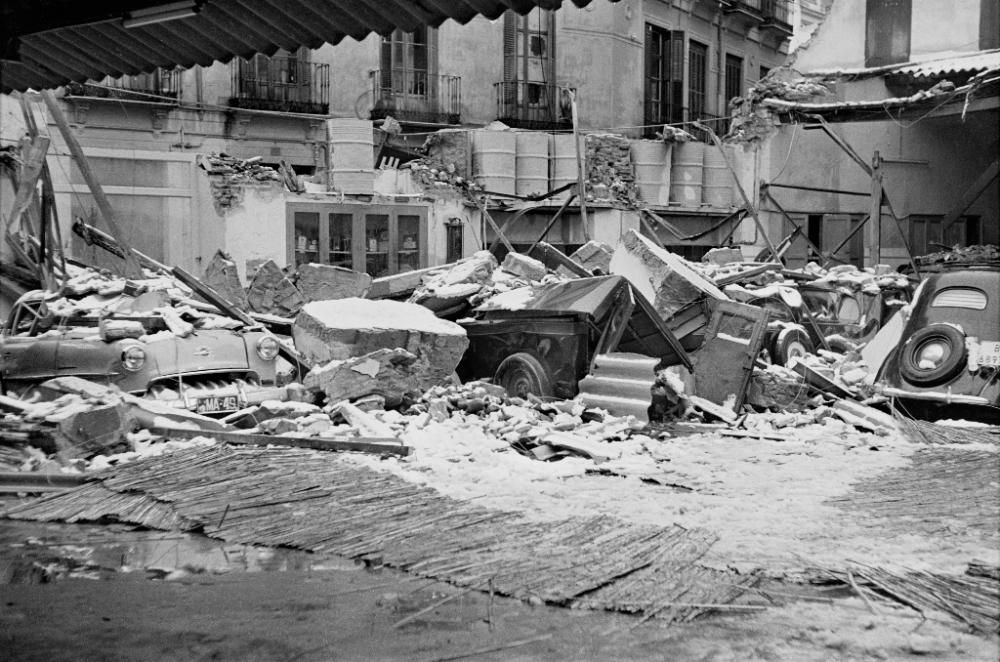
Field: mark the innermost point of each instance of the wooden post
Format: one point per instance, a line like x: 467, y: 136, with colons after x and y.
x: 132, y: 267
x: 581, y: 163
x: 875, y: 213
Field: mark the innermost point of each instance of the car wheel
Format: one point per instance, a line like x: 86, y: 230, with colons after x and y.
x: 933, y: 355
x: 791, y: 343
x: 522, y: 374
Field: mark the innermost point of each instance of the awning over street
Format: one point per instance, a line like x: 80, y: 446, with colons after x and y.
x: 47, y: 43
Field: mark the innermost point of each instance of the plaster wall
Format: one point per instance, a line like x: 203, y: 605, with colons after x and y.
x: 935, y: 27
x: 255, y: 229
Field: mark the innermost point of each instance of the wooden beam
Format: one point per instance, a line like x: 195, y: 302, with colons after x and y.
x: 581, y: 164
x: 132, y: 267
x: 33, y: 161
x: 739, y: 187
x: 375, y: 445
x: 986, y: 177
x: 565, y: 205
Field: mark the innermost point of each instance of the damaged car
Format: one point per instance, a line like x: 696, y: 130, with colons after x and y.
x: 213, y: 370
x: 947, y: 363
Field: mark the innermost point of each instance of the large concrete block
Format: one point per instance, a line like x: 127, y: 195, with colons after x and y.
x: 222, y: 275
x: 393, y: 374
x: 664, y: 278
x: 272, y: 292
x: 324, y: 282
x: 335, y: 330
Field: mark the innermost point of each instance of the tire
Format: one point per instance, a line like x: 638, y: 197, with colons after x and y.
x: 949, y: 338
x: 791, y: 343
x: 521, y: 374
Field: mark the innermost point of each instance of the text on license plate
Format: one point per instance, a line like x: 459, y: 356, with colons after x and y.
x: 217, y: 403
x: 989, y: 353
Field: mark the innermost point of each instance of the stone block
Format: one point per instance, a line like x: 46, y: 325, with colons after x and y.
x: 524, y: 266
x: 594, y: 255
x: 393, y: 374
x: 664, y: 278
x: 324, y: 282
x: 723, y: 255
x: 272, y: 292
x: 222, y: 276
x: 335, y: 330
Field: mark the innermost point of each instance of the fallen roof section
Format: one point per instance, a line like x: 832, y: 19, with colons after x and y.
x: 48, y: 43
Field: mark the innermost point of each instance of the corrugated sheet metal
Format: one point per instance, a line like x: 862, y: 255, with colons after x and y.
x: 47, y: 43
x: 981, y: 61
x: 621, y: 383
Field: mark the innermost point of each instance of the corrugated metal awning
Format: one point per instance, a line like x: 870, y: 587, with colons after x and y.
x: 929, y: 66
x: 47, y: 43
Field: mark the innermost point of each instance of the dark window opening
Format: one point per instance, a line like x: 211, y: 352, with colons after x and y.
x: 734, y: 78
x: 989, y: 24
x: 887, y: 32
x: 698, y: 79
x: 814, y: 232
x: 664, y: 78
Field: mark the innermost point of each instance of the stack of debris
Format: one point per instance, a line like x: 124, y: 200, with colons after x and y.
x: 609, y: 168
x: 228, y: 176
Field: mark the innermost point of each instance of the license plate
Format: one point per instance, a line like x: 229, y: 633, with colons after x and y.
x: 989, y: 353
x: 217, y: 403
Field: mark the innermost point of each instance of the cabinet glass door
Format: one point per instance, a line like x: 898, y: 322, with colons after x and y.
x: 341, y: 246
x: 377, y: 244
x: 409, y: 242
x: 306, y: 237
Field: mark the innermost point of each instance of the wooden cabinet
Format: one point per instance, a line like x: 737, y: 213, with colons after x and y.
x: 381, y: 240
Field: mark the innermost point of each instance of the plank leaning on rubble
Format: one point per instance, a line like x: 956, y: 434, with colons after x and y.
x: 376, y: 445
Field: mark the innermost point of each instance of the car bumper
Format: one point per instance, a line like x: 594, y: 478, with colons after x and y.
x: 943, y: 397
x: 222, y: 399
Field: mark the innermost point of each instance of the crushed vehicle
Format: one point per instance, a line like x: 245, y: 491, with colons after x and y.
x: 213, y: 369
x: 813, y: 316
x: 543, y: 340
x: 947, y: 363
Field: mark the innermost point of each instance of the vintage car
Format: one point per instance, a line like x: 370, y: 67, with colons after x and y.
x: 843, y: 317
x: 542, y: 340
x: 947, y: 364
x: 210, y: 371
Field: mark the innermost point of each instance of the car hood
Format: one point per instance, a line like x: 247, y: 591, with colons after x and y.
x: 200, y: 352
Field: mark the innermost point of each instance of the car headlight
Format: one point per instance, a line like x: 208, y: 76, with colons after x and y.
x: 267, y: 348
x: 133, y: 358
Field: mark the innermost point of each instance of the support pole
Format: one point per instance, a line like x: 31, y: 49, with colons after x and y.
x: 132, y: 267
x: 875, y: 213
x: 581, y: 162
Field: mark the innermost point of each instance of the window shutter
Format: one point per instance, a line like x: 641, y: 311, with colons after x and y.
x: 675, y: 100
x: 510, y: 20
x: 386, y: 63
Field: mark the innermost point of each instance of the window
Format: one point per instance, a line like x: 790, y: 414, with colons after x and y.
x: 960, y: 297
x: 664, y: 78
x: 409, y: 61
x: 734, y: 78
x: 697, y: 79
x: 887, y: 32
x: 764, y: 71
x: 529, y: 59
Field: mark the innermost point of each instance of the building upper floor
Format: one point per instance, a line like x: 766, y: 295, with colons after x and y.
x: 859, y: 34
x: 633, y: 63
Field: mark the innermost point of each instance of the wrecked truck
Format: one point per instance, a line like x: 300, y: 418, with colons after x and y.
x: 210, y: 371
x: 543, y: 340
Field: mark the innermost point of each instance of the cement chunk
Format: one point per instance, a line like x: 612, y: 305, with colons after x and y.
x: 335, y: 330
x: 324, y: 282
x: 272, y: 292
x: 664, y: 278
x: 391, y: 373
x: 524, y: 266
x: 222, y: 276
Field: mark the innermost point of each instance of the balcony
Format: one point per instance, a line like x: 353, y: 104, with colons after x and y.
x: 529, y: 105
x: 159, y: 86
x: 414, y: 95
x: 777, y: 17
x: 286, y: 84
x: 749, y: 13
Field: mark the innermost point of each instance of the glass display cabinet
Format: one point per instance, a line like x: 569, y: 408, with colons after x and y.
x: 380, y: 240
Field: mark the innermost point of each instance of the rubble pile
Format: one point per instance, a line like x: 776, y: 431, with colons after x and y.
x: 961, y: 255
x: 609, y: 168
x: 229, y: 175
x: 752, y: 121
x: 436, y: 174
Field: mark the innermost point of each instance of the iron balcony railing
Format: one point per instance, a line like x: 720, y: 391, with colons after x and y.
x: 159, y: 85
x: 416, y: 95
x: 753, y: 7
x: 778, y: 13
x: 280, y: 83
x: 531, y: 105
